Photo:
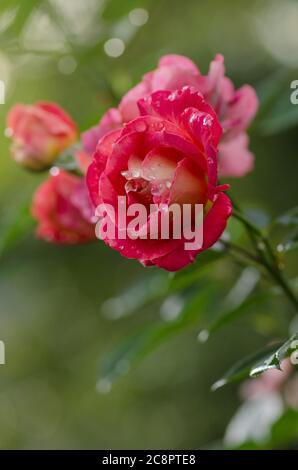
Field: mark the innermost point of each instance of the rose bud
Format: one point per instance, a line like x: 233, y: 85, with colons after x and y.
x: 168, y: 155
x: 235, y: 108
x: 62, y: 208
x: 39, y: 133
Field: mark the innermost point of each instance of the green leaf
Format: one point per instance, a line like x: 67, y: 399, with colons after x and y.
x: 269, y: 358
x: 192, y: 273
x: 149, y: 337
x: 242, y: 369
x: 289, y: 218
x: 280, y: 121
x: 67, y: 161
x: 270, y: 89
x: 136, y: 297
x: 238, y: 302
x: 274, y: 361
x: 19, y: 225
x: 290, y: 243
x: 276, y: 113
x: 257, y: 216
x: 284, y: 431
x: 158, y: 286
x: 24, y: 11
x: 235, y: 313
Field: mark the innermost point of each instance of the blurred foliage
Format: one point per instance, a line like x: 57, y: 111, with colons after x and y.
x: 51, y: 317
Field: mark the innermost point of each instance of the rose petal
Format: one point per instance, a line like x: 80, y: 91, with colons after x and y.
x: 235, y: 159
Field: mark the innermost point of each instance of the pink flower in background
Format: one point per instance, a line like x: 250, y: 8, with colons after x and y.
x: 235, y: 108
x: 291, y: 392
x: 39, y: 133
x: 230, y: 163
x: 268, y: 382
x: 111, y: 120
x: 282, y: 382
x: 166, y: 155
x: 62, y: 208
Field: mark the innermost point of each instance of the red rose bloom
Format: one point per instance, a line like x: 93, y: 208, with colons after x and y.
x: 167, y: 155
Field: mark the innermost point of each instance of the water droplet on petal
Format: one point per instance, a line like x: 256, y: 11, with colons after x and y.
x: 136, y: 173
x: 158, y: 189
x: 194, y: 118
x: 131, y: 186
x: 140, y: 126
x: 148, y: 174
x: 207, y: 121
x: 131, y: 174
x: 157, y: 126
x: 173, y: 96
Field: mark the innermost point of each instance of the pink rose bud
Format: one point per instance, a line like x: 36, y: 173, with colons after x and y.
x: 39, y: 133
x: 62, y: 208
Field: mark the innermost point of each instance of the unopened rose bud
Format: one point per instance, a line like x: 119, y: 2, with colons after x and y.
x: 62, y: 209
x: 39, y: 133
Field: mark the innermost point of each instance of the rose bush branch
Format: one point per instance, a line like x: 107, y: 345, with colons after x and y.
x: 265, y: 256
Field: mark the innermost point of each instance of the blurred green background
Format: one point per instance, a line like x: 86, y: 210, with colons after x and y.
x: 50, y: 296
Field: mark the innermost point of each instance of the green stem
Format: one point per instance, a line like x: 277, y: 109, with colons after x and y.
x: 267, y: 256
x: 240, y: 250
x: 255, y: 231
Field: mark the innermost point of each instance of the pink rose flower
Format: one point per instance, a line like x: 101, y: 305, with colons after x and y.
x: 39, y: 133
x: 62, y: 208
x: 229, y: 151
x: 166, y: 155
x: 111, y: 120
x: 235, y: 108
